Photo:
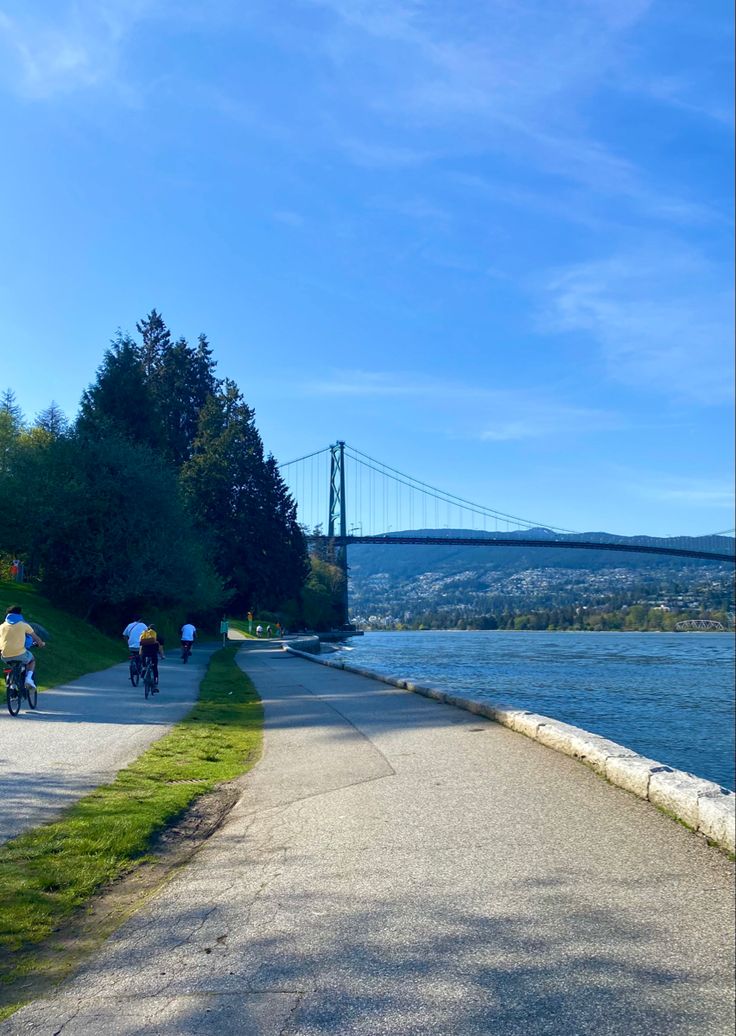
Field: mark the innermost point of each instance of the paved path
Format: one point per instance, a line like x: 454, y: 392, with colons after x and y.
x: 84, y: 732
x: 397, y: 866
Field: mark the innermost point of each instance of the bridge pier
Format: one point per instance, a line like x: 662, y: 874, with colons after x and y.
x: 338, y: 521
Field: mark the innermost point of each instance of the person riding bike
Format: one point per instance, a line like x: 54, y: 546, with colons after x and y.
x: 151, y: 647
x: 188, y: 633
x: 16, y: 636
x: 132, y: 634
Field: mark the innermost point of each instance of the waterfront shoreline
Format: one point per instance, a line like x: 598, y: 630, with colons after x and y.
x: 669, y: 697
x: 706, y: 808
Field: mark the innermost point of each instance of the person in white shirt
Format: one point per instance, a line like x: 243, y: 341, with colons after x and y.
x: 132, y: 634
x: 188, y: 633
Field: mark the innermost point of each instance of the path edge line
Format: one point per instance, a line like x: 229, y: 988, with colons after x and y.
x: 702, y: 806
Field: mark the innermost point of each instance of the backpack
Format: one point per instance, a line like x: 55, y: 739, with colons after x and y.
x: 148, y: 635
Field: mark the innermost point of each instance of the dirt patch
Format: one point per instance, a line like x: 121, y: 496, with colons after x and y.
x: 58, y: 957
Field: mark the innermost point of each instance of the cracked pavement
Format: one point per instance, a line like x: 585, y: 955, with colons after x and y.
x: 398, y: 866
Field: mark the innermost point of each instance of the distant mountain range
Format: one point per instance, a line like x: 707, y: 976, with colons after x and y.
x: 406, y: 580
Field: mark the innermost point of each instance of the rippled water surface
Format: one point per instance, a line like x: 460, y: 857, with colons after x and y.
x: 669, y: 696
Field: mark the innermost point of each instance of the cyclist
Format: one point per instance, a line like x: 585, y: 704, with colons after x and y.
x: 132, y: 634
x: 151, y: 647
x: 188, y: 633
x: 16, y: 636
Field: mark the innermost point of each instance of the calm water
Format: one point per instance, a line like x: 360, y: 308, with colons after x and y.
x: 669, y: 696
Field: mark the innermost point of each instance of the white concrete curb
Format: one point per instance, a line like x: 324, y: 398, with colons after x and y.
x: 701, y: 805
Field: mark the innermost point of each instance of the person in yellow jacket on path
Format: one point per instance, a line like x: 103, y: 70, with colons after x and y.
x: 152, y: 647
x: 16, y: 636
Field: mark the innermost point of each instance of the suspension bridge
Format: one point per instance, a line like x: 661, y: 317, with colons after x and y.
x: 389, y: 507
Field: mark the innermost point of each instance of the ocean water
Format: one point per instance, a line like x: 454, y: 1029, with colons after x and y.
x: 669, y: 696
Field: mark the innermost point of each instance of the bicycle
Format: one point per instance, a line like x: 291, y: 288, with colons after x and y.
x: 186, y: 650
x: 134, y: 668
x: 16, y: 688
x: 149, y: 683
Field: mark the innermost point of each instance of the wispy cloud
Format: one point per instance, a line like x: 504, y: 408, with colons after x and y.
x: 375, y: 383
x: 516, y: 414
x: 496, y: 78
x: 541, y: 419
x: 374, y: 155
x: 78, y: 48
x: 689, y: 491
x: 678, y: 92
x: 289, y: 218
x: 659, y: 317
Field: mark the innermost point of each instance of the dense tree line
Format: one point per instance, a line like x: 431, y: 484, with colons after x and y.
x: 159, y: 491
x: 641, y: 616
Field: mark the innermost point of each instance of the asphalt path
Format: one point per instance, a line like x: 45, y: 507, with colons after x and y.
x: 397, y: 866
x: 82, y: 733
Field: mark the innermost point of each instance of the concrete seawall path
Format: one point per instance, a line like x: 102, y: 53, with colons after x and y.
x: 399, y: 866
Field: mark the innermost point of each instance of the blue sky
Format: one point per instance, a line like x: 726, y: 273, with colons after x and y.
x: 488, y: 242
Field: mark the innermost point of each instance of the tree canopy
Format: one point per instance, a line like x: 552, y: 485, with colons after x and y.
x: 158, y: 491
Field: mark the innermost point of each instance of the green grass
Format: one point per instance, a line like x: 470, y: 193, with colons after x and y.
x: 74, y: 647
x: 49, y: 872
x: 243, y: 626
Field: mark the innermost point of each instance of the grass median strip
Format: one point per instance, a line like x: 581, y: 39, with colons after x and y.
x: 49, y: 872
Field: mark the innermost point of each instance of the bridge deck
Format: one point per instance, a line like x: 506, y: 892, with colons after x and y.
x: 568, y: 544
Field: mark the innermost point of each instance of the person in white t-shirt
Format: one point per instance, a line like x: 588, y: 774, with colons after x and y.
x: 132, y: 634
x: 188, y: 633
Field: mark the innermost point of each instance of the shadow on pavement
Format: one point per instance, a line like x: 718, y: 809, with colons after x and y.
x: 395, y: 965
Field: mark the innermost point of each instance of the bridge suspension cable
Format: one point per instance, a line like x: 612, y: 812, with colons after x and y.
x: 383, y: 498
x: 341, y: 487
x: 424, y: 487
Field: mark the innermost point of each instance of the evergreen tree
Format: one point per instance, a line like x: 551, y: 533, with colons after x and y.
x: 52, y: 421
x: 156, y: 343
x: 9, y: 406
x: 240, y: 501
x: 95, y: 543
x: 11, y: 424
x: 322, y: 595
x: 184, y: 380
x: 285, y: 545
x: 120, y: 402
x: 221, y: 485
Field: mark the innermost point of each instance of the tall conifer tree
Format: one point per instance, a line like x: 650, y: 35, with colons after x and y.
x: 119, y: 402
x: 156, y: 342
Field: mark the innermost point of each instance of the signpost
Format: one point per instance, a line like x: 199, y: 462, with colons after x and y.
x: 224, y: 626
x: 250, y: 623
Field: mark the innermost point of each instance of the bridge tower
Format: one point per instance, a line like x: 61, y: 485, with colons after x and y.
x: 337, y: 525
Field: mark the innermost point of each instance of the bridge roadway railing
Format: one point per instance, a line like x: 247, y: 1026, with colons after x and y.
x: 389, y: 539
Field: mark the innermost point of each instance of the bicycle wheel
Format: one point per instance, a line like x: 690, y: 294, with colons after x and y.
x: 32, y: 696
x: 135, y: 673
x: 148, y: 687
x: 12, y: 696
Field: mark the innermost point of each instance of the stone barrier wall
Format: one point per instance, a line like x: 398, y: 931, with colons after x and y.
x: 701, y: 805
x: 307, y: 644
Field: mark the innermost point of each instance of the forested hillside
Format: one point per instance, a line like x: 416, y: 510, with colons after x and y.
x: 540, y: 587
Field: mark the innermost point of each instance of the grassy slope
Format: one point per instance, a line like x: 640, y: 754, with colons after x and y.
x: 73, y: 648
x: 48, y: 872
x: 241, y: 625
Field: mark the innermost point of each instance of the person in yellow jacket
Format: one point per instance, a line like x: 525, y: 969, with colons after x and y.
x: 152, y: 647
x: 15, y: 633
